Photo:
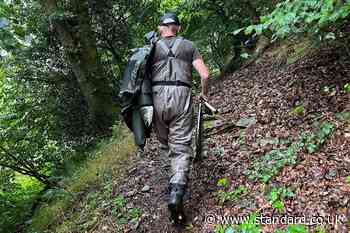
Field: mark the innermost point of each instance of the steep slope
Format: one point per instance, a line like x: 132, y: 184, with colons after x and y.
x: 281, y: 103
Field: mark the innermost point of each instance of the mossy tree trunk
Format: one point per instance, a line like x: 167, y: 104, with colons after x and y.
x: 79, y: 43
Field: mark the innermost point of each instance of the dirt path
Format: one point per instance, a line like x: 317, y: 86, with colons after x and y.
x: 266, y: 95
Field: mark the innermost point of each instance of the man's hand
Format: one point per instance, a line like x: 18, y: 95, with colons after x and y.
x: 204, y: 97
x: 204, y: 74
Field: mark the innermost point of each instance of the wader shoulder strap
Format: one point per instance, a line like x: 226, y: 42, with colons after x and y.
x: 176, y: 45
x: 170, y: 51
x: 164, y: 46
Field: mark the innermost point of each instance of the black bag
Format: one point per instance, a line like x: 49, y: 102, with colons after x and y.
x: 136, y: 89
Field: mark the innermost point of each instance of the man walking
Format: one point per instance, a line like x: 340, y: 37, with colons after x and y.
x: 172, y: 65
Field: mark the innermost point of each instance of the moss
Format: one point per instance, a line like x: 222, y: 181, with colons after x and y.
x: 66, y: 228
x: 48, y: 215
x: 208, y: 124
x: 109, y: 161
x: 290, y: 51
x: 299, y: 51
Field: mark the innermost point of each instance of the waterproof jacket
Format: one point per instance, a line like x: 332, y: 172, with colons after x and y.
x: 136, y: 89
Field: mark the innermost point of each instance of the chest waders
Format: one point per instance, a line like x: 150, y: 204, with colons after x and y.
x: 171, y: 85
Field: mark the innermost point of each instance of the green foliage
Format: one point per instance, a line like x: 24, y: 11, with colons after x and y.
x: 28, y: 131
x: 250, y: 225
x: 347, y: 180
x: 134, y: 213
x: 55, y: 194
x: 298, y: 50
x: 16, y: 198
x: 330, y: 91
x: 277, y: 196
x: 223, y: 229
x: 230, y: 196
x: 314, y: 140
x: 44, y: 117
x: 223, y: 182
x: 219, y: 151
x: 170, y: 5
x: 298, y: 110
x: 269, y: 165
x: 91, y: 188
x: 347, y: 88
x: 122, y: 213
x: 210, y: 25
x: 319, y: 229
x: 245, y: 55
x: 119, y: 202
x: 12, y: 30
x: 296, y: 229
x: 303, y: 16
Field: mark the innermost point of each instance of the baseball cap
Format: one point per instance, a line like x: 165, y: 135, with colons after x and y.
x: 169, y: 18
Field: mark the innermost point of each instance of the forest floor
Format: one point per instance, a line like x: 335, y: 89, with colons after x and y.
x: 264, y: 107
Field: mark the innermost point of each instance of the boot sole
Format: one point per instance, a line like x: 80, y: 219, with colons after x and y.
x: 176, y: 213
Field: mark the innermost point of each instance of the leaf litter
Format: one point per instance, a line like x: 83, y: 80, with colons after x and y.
x: 262, y: 97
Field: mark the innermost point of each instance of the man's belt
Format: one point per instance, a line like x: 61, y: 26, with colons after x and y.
x: 171, y: 83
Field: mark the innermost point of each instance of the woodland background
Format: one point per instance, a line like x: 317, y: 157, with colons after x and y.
x: 61, y: 62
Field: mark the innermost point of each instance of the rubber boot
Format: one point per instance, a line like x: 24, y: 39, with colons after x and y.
x: 175, y: 203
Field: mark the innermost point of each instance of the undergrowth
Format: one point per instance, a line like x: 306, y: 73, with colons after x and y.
x: 270, y: 164
x: 16, y: 201
x: 76, y: 206
x: 277, y: 196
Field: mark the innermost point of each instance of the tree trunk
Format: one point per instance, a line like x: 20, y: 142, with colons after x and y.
x: 79, y: 43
